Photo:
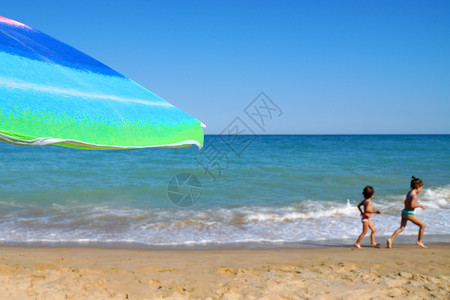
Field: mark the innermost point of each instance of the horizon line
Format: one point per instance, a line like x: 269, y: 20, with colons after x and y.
x: 331, y: 134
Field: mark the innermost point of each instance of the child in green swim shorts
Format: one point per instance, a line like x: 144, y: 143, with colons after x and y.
x: 408, y: 213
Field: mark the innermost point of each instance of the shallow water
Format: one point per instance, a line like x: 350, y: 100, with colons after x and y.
x: 280, y: 189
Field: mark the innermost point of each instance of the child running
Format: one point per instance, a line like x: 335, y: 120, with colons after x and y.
x: 408, y: 213
x: 365, y: 216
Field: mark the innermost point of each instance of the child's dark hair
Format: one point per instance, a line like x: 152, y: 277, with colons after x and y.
x: 368, y: 192
x: 416, y: 183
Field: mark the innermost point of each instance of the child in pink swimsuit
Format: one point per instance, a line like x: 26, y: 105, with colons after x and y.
x: 365, y: 216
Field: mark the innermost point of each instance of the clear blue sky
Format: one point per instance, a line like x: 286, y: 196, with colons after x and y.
x: 332, y: 66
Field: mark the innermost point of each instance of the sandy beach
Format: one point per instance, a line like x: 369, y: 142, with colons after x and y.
x: 404, y: 272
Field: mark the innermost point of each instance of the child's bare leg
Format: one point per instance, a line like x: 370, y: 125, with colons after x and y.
x: 358, y: 242
x: 419, y: 223
x: 372, y: 235
x: 394, y: 235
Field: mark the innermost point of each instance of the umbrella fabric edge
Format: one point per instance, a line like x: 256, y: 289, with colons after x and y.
x: 45, y: 141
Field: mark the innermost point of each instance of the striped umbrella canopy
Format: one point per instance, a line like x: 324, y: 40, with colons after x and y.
x: 51, y: 93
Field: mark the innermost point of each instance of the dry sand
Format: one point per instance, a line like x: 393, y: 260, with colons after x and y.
x: 405, y: 272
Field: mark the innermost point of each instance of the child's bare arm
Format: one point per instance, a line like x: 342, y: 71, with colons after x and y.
x: 359, y: 206
x: 414, y: 203
x: 366, y: 210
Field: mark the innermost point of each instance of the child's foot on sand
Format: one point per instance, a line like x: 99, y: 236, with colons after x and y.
x: 421, y: 244
x: 375, y: 245
x: 389, y: 243
x: 358, y: 245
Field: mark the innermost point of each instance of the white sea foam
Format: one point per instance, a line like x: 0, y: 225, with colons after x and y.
x: 300, y: 221
x: 437, y: 198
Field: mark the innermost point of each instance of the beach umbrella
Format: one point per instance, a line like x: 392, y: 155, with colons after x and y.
x: 51, y: 93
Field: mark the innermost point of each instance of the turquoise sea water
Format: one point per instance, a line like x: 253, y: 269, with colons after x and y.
x: 277, y: 188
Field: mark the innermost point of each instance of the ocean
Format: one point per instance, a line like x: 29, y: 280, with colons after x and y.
x: 259, y: 190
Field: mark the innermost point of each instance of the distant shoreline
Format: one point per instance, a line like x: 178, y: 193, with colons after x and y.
x: 431, y: 239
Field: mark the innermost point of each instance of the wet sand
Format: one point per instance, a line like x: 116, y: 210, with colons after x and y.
x: 405, y: 271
